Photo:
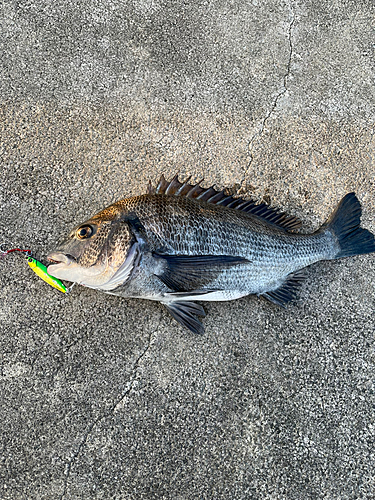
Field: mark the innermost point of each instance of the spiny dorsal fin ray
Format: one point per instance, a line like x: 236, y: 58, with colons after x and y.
x: 162, y: 186
x: 288, y: 290
x: 210, y: 195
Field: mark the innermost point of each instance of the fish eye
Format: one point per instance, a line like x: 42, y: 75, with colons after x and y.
x: 84, y: 232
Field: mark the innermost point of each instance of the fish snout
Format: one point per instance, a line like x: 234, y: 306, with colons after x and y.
x: 58, y: 260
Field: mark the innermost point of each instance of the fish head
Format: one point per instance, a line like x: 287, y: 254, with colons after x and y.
x: 94, y: 251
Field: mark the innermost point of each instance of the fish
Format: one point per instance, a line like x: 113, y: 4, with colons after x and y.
x: 181, y: 243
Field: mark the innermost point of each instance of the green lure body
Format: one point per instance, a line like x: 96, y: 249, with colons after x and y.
x: 41, y: 270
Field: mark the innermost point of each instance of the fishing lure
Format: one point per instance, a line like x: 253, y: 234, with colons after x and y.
x: 39, y: 269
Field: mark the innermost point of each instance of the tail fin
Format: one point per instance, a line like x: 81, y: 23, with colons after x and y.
x: 345, y: 224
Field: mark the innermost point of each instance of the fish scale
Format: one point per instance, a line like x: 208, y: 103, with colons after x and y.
x: 182, y: 243
x: 193, y: 228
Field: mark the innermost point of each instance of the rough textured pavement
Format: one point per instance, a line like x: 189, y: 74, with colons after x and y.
x: 105, y: 398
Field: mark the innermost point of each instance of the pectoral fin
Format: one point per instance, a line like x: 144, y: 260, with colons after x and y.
x: 185, y: 312
x: 183, y: 273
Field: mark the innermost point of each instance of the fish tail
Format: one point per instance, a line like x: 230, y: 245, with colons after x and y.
x: 344, y: 223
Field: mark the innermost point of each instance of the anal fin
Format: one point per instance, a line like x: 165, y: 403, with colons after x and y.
x: 185, y: 312
x: 288, y: 290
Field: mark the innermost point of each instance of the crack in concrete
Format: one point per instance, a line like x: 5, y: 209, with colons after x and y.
x: 259, y: 132
x: 132, y: 378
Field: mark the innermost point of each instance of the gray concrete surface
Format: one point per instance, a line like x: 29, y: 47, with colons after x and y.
x: 103, y: 398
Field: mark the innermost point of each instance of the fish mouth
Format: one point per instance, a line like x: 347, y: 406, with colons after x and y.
x: 58, y: 260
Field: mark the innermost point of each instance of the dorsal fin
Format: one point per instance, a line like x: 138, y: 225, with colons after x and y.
x: 210, y: 195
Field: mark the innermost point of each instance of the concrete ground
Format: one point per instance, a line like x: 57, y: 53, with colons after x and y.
x: 107, y: 398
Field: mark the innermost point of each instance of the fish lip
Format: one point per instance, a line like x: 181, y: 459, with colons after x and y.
x: 60, y: 258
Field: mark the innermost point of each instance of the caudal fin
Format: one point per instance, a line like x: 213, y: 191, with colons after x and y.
x: 345, y: 224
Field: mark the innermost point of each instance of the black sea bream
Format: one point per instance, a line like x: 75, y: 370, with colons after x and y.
x: 182, y: 243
